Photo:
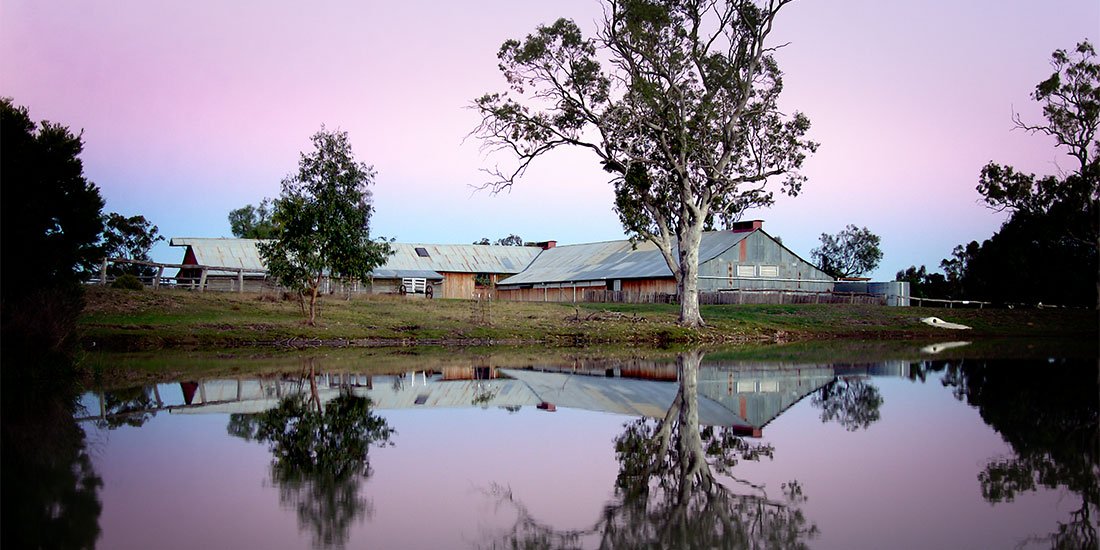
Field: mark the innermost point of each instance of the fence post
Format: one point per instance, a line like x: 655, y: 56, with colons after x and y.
x: 240, y: 281
x: 156, y: 282
x: 103, y: 273
x: 202, y: 280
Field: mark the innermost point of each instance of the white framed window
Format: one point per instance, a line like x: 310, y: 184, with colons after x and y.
x: 769, y: 271
x: 746, y: 271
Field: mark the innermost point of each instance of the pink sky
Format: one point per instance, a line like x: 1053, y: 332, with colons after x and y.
x: 190, y: 110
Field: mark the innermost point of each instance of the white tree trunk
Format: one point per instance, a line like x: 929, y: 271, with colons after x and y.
x: 687, y: 285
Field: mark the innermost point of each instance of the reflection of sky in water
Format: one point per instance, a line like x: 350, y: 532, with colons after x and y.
x: 909, y: 480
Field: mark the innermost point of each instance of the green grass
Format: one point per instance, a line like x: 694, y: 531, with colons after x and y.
x: 141, y: 320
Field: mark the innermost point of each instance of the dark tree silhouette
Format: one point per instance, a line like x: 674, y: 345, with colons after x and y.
x: 1048, y: 412
x: 50, y: 496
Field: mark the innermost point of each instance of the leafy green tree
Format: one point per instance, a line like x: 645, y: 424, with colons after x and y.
x: 677, y: 100
x: 510, y: 240
x: 850, y: 253
x: 131, y: 239
x: 322, y: 221
x: 1056, y: 218
x: 253, y: 222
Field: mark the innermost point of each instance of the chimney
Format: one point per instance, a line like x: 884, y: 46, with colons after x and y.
x: 749, y: 225
x: 546, y: 245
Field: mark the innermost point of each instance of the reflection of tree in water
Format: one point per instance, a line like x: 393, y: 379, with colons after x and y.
x: 669, y: 490
x: 319, y: 457
x: 1048, y: 413
x: 51, y: 491
x: 852, y: 402
x: 128, y: 407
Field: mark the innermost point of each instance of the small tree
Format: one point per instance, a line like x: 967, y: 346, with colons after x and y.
x: 253, y: 222
x: 510, y: 240
x: 130, y: 239
x: 850, y: 253
x: 684, y: 116
x: 322, y: 220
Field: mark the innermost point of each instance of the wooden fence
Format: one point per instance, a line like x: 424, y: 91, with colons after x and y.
x: 729, y: 297
x: 216, y: 278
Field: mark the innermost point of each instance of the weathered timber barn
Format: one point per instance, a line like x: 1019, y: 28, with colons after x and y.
x: 454, y: 270
x: 743, y: 258
x: 239, y: 258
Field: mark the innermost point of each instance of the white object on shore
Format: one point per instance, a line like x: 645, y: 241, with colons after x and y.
x: 937, y: 322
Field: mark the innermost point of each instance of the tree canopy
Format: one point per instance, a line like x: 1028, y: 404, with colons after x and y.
x: 511, y: 240
x: 50, y: 226
x: 129, y: 238
x: 850, y: 253
x: 1054, y: 219
x: 322, y: 220
x: 50, y: 211
x: 253, y: 222
x: 676, y: 100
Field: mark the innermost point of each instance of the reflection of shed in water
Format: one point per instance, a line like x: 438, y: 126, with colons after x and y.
x: 744, y: 398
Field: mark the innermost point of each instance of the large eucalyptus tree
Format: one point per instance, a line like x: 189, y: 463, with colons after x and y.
x: 677, y: 99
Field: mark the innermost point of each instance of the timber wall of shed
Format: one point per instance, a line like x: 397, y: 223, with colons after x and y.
x: 458, y: 285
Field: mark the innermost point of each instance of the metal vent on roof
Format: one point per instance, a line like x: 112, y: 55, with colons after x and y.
x: 422, y: 252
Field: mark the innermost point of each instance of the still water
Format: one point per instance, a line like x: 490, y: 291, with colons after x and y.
x: 681, y: 451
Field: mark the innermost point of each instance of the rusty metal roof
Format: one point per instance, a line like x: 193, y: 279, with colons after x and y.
x: 614, y: 260
x: 458, y: 258
x: 223, y: 252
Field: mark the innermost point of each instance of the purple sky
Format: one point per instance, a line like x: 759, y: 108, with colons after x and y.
x: 190, y: 110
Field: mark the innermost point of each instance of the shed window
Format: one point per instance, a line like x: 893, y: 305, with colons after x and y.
x: 769, y: 271
x: 746, y: 271
x: 422, y: 252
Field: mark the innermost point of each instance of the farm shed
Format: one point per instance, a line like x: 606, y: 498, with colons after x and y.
x: 453, y: 269
x: 743, y: 258
x: 220, y: 252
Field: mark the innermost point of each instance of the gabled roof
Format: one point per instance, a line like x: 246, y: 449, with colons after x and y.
x: 240, y: 253
x: 405, y: 262
x: 456, y: 258
x: 615, y: 260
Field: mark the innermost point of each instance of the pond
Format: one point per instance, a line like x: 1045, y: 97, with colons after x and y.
x: 686, y: 450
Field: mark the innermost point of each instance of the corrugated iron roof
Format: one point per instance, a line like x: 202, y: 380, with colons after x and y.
x: 223, y: 252
x: 459, y: 258
x: 614, y: 260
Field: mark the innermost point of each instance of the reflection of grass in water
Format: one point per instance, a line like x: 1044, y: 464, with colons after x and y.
x: 127, y: 369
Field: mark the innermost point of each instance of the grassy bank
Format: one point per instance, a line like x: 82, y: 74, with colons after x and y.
x: 142, y: 320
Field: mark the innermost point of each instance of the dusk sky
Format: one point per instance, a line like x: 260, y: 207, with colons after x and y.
x: 190, y: 110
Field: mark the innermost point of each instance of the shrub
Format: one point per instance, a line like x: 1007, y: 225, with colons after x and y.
x: 128, y: 282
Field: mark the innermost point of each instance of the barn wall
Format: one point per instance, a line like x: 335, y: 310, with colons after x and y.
x: 458, y: 285
x: 755, y: 252
x: 542, y: 294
